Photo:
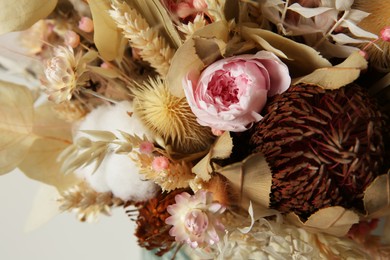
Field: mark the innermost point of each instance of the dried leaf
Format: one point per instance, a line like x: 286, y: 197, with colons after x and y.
x: 20, y: 15
x: 181, y: 67
x: 377, y: 197
x: 45, y: 206
x: 16, y: 125
x: 337, y: 76
x: 301, y: 59
x: 252, y: 178
x: 332, y: 220
x: 221, y: 149
x: 107, y: 37
x: 105, y: 72
x: 208, y: 50
x: 41, y: 162
x: 157, y: 16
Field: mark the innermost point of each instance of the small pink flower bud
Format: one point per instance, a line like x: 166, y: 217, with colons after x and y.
x: 146, y: 147
x: 160, y: 163
x: 363, y: 54
x: 106, y: 65
x: 86, y: 24
x: 385, y: 34
x: 72, y: 39
x: 217, y: 132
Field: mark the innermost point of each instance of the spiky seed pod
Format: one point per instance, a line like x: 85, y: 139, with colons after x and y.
x: 152, y: 232
x: 378, y: 19
x: 324, y: 147
x: 170, y: 117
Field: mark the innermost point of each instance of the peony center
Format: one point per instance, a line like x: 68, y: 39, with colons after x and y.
x: 225, y: 88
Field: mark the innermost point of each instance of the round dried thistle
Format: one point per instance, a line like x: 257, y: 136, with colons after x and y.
x: 323, y: 147
x: 170, y: 117
x: 152, y: 231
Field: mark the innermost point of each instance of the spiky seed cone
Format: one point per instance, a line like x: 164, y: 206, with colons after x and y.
x: 170, y: 117
x: 152, y: 232
x: 378, y: 19
x: 324, y: 147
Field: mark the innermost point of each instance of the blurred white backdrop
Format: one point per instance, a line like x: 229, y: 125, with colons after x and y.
x: 63, y: 237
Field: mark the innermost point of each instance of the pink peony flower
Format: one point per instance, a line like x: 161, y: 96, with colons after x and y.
x: 230, y: 93
x: 194, y: 219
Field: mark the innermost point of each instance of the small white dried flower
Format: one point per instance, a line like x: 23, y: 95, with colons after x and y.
x: 65, y: 73
x: 194, y: 219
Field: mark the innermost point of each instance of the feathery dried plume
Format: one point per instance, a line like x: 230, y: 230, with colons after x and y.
x: 176, y: 175
x: 378, y: 19
x: 170, y: 117
x: 153, y: 48
x: 87, y: 202
x: 190, y: 28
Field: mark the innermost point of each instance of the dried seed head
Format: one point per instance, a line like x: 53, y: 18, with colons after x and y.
x: 324, y: 147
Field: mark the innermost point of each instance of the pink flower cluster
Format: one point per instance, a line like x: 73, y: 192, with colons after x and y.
x: 194, y: 219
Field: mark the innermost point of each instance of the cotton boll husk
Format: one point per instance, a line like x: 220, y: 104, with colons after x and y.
x: 121, y: 174
x: 117, y: 173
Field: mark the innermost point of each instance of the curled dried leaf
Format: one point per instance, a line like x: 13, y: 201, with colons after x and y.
x: 301, y: 59
x: 252, y: 178
x: 377, y: 197
x: 221, y: 149
x: 20, y: 15
x: 337, y: 76
x: 16, y: 125
x: 332, y: 220
x: 107, y: 37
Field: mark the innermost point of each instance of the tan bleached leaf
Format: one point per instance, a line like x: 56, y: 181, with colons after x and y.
x: 54, y: 135
x: 377, y: 197
x: 180, y: 67
x: 332, y: 220
x: 301, y: 59
x: 20, y: 15
x: 252, y: 178
x: 107, y: 36
x: 337, y: 76
x: 16, y: 125
x: 157, y: 16
x: 208, y: 50
x: 221, y: 149
x: 44, y: 208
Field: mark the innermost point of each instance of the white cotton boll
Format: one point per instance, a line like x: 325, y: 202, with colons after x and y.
x: 124, y: 181
x: 117, y: 173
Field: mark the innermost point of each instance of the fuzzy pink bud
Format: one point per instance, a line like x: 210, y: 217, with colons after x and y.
x: 72, y: 39
x: 217, y: 132
x: 160, y: 163
x: 385, y: 34
x: 86, y: 24
x: 146, y: 147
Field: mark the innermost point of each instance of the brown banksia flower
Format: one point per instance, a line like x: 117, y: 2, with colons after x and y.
x: 152, y: 232
x: 324, y: 147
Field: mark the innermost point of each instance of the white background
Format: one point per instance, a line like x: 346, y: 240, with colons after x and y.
x: 64, y: 237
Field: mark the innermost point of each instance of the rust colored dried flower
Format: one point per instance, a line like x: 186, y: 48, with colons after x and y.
x: 152, y: 232
x: 324, y: 147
